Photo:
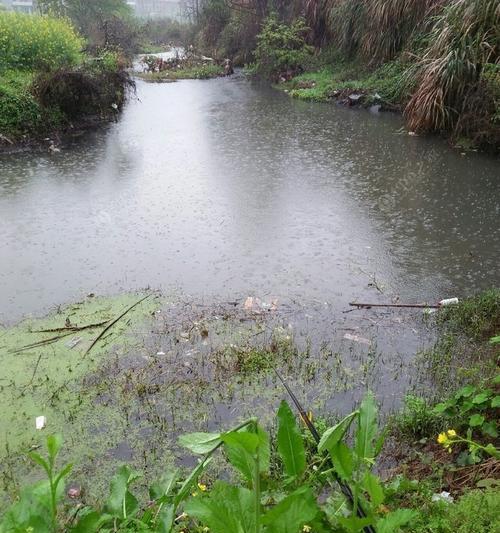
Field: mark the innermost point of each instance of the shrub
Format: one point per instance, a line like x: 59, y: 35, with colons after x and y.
x: 32, y: 42
x: 281, y: 48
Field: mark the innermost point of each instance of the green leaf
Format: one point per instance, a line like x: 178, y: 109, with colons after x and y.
x: 39, y: 460
x: 342, y: 460
x: 121, y: 503
x: 482, y: 397
x: 241, y: 450
x: 440, y: 408
x: 491, y: 450
x: 496, y: 379
x: 355, y: 524
x: 92, y: 522
x: 394, y: 521
x: 165, y: 486
x: 490, y: 429
x: 200, y: 443
x: 63, y: 473
x: 290, y: 443
x: 54, y: 444
x: 292, y: 513
x: 372, y: 485
x: 476, y: 420
x: 190, y: 481
x: 465, y: 392
x: 336, y: 433
x: 495, y: 340
x: 165, y: 519
x: 226, y: 509
x: 367, y: 429
x: 495, y: 402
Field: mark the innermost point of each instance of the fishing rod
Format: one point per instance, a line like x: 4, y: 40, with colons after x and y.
x: 344, y: 486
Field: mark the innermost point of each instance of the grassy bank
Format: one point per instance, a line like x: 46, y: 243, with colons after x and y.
x: 163, y: 370
x: 447, y: 51
x: 198, y: 72
x: 47, y: 85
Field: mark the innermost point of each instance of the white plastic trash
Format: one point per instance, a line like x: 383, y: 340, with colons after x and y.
x: 448, y: 301
x: 40, y: 422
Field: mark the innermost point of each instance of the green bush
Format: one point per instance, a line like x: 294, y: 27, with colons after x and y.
x: 35, y: 42
x: 19, y: 111
x: 281, y: 48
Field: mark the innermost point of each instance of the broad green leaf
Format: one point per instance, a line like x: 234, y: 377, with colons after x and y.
x: 367, y: 429
x: 494, y: 452
x: 342, y: 460
x: 495, y: 401
x: 395, y: 520
x: 440, y: 408
x: 165, y: 486
x: 121, y: 503
x: 290, y: 442
x: 495, y: 340
x: 200, y: 443
x: 226, y: 509
x: 190, y: 481
x: 353, y: 523
x: 31, y: 511
x: 292, y: 513
x: 482, y: 397
x: 476, y: 420
x: 165, y: 519
x: 92, y: 522
x: 465, y: 392
x: 336, y: 433
x: 490, y: 429
x: 241, y: 450
x: 372, y: 485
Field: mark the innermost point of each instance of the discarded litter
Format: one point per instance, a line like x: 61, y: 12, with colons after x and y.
x: 356, y: 338
x: 442, y: 497
x: 448, y: 301
x: 40, y: 422
x: 256, y: 305
x: 73, y: 342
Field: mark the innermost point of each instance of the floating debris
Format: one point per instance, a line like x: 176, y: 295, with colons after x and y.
x: 40, y: 422
x: 357, y: 338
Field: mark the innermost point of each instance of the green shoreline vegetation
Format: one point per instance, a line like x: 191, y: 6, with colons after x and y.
x: 48, y: 85
x: 445, y: 439
x: 436, y: 61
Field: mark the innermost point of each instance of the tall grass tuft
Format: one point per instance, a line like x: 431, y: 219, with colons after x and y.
x: 465, y: 45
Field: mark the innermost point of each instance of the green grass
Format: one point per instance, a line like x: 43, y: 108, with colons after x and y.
x: 202, y: 72
x: 322, y: 85
x: 20, y: 113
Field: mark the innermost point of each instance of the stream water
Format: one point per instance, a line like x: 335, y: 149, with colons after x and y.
x: 226, y: 188
x: 214, y: 191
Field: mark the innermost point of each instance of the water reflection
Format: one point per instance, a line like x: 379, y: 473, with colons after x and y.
x: 227, y: 188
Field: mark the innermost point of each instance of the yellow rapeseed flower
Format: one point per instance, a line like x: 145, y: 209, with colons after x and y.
x: 307, y: 529
x: 442, y: 438
x: 452, y: 433
x: 202, y: 487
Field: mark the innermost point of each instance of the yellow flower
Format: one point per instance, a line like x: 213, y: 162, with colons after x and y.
x: 202, y: 487
x: 452, y: 433
x: 306, y: 529
x: 442, y: 438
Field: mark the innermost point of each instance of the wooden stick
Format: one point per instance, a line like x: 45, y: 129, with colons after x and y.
x: 71, y: 328
x: 409, y: 306
x: 111, y: 324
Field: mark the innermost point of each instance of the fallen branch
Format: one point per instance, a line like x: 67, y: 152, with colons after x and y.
x: 409, y: 306
x: 72, y: 328
x: 41, y: 343
x: 111, y: 324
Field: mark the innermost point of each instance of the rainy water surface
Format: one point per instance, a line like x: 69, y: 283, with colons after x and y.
x: 226, y: 188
